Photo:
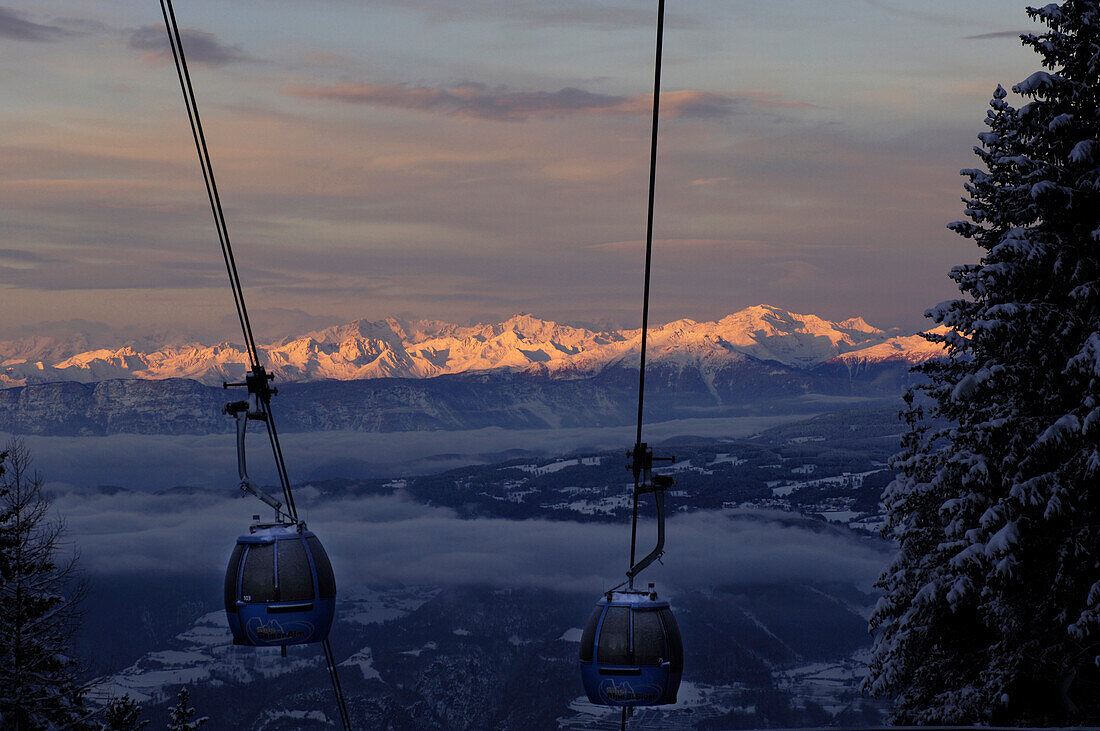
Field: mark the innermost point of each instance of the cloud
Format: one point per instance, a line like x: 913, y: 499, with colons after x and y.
x: 743, y: 246
x: 372, y: 212
x: 15, y: 27
x: 997, y: 34
x: 410, y: 543
x: 30, y: 164
x: 502, y: 103
x: 449, y: 219
x: 923, y: 16
x: 199, y: 46
x: 280, y: 322
x: 114, y: 271
x: 530, y: 13
x: 76, y: 335
x: 18, y: 258
x: 156, y: 462
x: 705, y: 549
x: 764, y: 98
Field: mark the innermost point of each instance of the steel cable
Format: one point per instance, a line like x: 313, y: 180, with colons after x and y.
x: 336, y: 688
x: 208, y: 175
x: 648, y: 261
x: 263, y: 395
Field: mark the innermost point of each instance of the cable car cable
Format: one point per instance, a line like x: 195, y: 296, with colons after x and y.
x: 639, y: 448
x: 208, y: 175
x: 649, y: 219
x: 631, y: 651
x: 214, y: 197
x: 277, y: 450
x: 337, y: 689
x: 258, y: 379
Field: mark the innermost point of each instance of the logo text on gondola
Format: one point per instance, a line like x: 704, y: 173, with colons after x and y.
x: 626, y: 693
x: 276, y: 632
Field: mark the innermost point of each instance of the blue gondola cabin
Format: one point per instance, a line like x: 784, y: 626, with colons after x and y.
x: 631, y: 651
x: 279, y: 587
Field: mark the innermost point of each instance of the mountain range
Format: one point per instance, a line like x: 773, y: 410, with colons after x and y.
x: 391, y: 348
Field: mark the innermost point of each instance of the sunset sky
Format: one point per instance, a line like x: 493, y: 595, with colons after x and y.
x: 470, y: 160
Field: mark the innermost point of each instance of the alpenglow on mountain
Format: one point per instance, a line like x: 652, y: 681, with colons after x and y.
x: 422, y: 349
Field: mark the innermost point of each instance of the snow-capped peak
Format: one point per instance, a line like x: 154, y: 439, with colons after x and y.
x: 421, y: 349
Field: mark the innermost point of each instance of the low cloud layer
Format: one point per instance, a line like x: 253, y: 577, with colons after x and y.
x: 156, y: 462
x: 385, y: 541
x: 502, y: 103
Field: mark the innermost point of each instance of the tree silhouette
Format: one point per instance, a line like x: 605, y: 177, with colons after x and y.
x: 123, y: 714
x: 181, y: 717
x: 991, y: 610
x: 40, y: 594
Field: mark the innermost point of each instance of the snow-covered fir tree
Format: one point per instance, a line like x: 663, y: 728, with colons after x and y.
x: 123, y: 714
x: 40, y: 593
x: 991, y: 609
x: 181, y: 717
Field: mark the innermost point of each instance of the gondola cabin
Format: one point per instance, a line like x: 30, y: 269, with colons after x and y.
x: 279, y: 587
x: 631, y: 652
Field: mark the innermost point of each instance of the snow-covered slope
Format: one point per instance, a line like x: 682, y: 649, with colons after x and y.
x: 205, y: 653
x: 393, y: 349
x: 451, y: 656
x: 907, y: 348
